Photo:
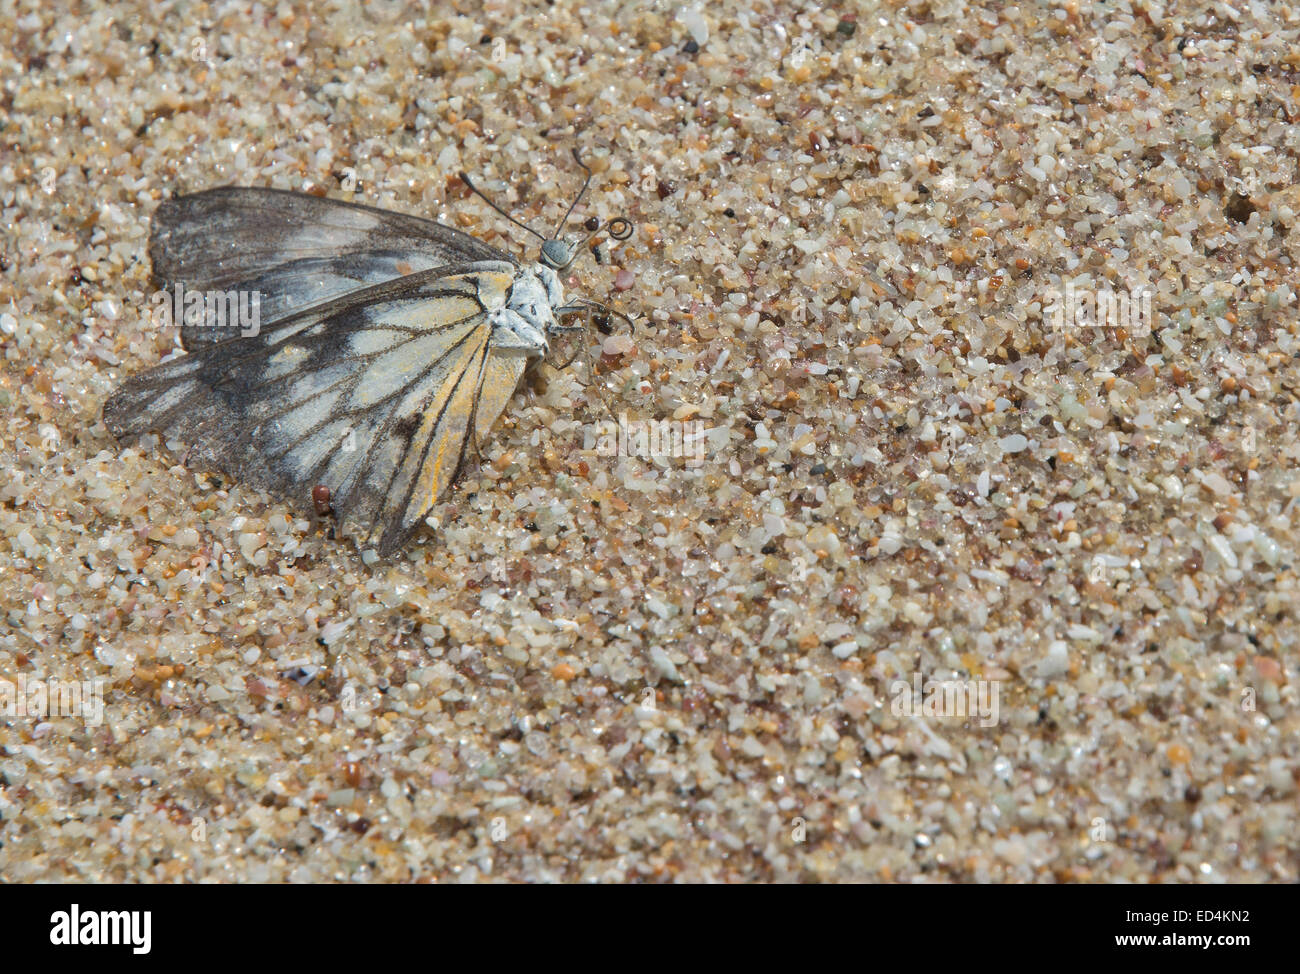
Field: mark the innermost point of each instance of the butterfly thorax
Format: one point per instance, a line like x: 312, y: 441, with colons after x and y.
x: 528, y: 315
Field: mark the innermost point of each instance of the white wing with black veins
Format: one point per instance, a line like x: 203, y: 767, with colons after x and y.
x: 374, y: 394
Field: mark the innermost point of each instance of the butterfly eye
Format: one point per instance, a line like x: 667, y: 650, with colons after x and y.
x: 592, y: 224
x: 556, y: 254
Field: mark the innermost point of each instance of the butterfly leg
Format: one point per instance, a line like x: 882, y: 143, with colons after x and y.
x: 584, y: 351
x: 478, y: 451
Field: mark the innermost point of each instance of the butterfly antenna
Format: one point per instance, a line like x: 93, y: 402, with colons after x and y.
x: 582, y: 192
x: 479, y: 193
x: 619, y: 228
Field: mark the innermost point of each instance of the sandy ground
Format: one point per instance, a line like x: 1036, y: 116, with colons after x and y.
x: 857, y: 228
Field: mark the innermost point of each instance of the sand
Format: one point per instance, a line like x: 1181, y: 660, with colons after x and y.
x: 871, y: 244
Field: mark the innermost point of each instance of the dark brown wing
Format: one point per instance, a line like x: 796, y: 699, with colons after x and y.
x: 292, y: 249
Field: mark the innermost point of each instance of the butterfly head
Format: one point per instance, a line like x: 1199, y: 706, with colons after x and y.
x: 555, y: 257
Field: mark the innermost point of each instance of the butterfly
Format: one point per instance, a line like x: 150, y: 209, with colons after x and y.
x: 386, y: 345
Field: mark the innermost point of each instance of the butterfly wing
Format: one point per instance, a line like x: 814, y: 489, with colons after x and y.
x: 501, y: 377
x: 374, y: 395
x: 292, y: 249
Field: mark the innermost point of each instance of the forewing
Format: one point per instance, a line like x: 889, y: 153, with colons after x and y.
x: 373, y: 395
x: 292, y: 249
